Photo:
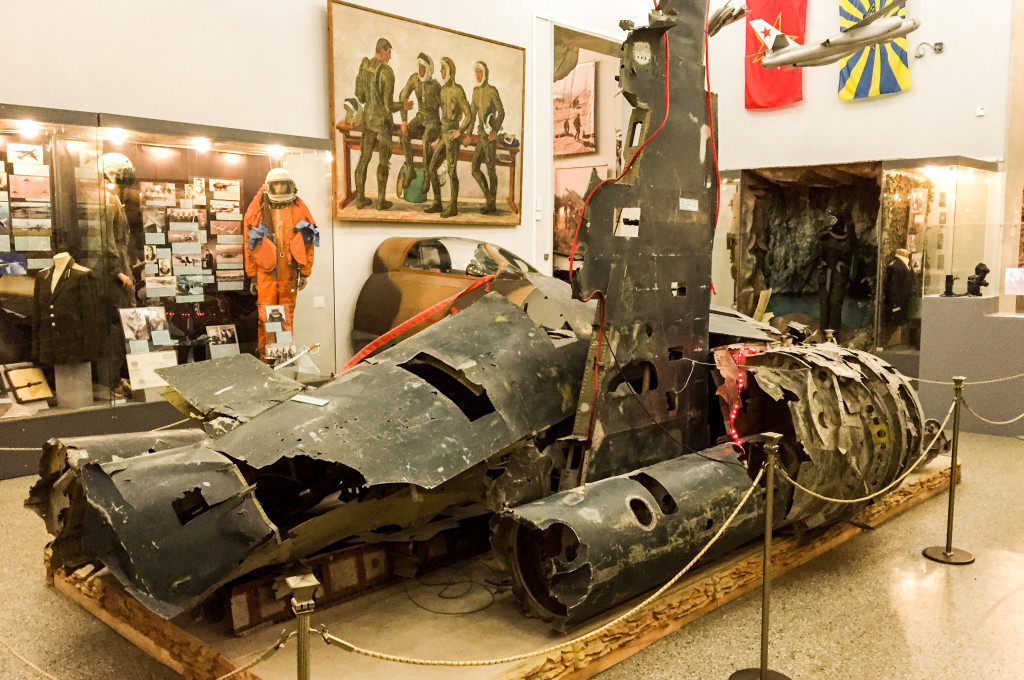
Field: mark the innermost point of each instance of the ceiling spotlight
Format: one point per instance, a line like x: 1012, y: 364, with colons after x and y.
x: 116, y: 135
x: 201, y: 144
x: 275, y: 151
x: 29, y: 128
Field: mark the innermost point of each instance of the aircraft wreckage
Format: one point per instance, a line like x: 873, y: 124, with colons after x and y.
x: 607, y: 443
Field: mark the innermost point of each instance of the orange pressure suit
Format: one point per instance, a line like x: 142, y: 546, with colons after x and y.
x: 277, y: 255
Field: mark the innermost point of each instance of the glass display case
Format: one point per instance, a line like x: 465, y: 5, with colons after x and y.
x: 124, y: 250
x: 940, y: 222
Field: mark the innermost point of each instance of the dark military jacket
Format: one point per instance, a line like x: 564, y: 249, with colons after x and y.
x: 66, y: 323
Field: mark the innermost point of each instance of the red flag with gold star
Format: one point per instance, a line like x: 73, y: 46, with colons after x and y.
x: 772, y: 88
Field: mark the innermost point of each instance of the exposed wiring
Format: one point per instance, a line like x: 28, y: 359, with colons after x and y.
x: 742, y: 354
x: 661, y: 426
x: 447, y: 592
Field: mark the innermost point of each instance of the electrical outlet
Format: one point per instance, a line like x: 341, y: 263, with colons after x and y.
x: 939, y: 47
x: 980, y: 111
x: 319, y: 302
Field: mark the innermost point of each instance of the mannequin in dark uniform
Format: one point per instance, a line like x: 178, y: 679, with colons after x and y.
x: 836, y: 254
x: 66, y: 320
x: 897, y: 288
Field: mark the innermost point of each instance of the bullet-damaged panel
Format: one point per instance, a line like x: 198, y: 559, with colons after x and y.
x: 580, y: 552
x: 646, y: 243
x: 238, y: 387
x: 57, y: 496
x: 148, y: 518
x: 431, y: 407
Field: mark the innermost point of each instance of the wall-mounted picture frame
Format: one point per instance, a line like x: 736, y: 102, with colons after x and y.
x: 575, y: 111
x: 427, y: 121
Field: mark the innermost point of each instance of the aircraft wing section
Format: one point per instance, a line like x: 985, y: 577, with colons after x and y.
x: 430, y: 407
x: 874, y: 16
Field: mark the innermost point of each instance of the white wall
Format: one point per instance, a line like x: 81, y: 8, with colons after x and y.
x: 936, y: 117
x: 262, y: 65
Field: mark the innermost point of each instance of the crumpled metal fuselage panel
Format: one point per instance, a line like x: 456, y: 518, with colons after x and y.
x: 239, y: 387
x: 577, y: 553
x: 171, y: 525
x: 856, y: 420
x: 647, y: 245
x: 389, y: 423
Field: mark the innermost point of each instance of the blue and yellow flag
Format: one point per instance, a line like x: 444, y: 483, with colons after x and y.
x: 875, y: 70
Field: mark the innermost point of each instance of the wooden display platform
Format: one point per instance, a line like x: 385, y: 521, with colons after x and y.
x: 393, y: 621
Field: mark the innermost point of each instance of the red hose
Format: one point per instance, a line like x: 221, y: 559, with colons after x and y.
x: 414, y: 321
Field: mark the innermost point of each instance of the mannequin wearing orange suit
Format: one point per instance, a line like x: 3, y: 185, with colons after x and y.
x: 280, y: 235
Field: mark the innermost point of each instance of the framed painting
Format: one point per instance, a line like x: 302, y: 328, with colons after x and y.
x: 427, y: 121
x: 574, y: 111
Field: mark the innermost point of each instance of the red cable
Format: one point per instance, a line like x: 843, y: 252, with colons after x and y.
x: 711, y: 126
x: 414, y: 321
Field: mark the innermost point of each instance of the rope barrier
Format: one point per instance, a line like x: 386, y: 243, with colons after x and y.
x: 896, y: 482
x: 993, y: 422
x: 271, y: 651
x: 348, y: 646
x: 25, y: 661
x: 167, y: 427
x: 972, y: 382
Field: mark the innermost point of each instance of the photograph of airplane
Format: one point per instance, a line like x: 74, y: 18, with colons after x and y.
x: 25, y: 153
x: 877, y: 27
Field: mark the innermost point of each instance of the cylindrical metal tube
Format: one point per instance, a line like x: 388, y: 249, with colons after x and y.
x: 958, y: 398
x: 577, y: 553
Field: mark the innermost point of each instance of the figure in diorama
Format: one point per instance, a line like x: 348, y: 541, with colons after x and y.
x: 833, y: 272
x: 977, y: 281
x: 489, y: 114
x: 456, y: 121
x: 897, y: 288
x: 425, y: 125
x: 375, y: 90
x: 280, y: 235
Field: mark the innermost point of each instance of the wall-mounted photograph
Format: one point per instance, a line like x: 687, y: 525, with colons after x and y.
x: 428, y: 122
x: 574, y: 111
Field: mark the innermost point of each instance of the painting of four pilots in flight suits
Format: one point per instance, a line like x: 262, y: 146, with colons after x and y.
x: 428, y: 122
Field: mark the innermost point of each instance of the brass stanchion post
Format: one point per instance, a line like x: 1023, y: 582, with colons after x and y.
x: 771, y: 452
x: 302, y: 588
x: 948, y: 554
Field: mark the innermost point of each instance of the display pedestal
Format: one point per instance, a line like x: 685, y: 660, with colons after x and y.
x: 74, y: 384
x: 968, y: 336
x: 199, y: 649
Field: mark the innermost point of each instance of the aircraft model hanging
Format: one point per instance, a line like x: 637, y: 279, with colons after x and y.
x: 877, y: 27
